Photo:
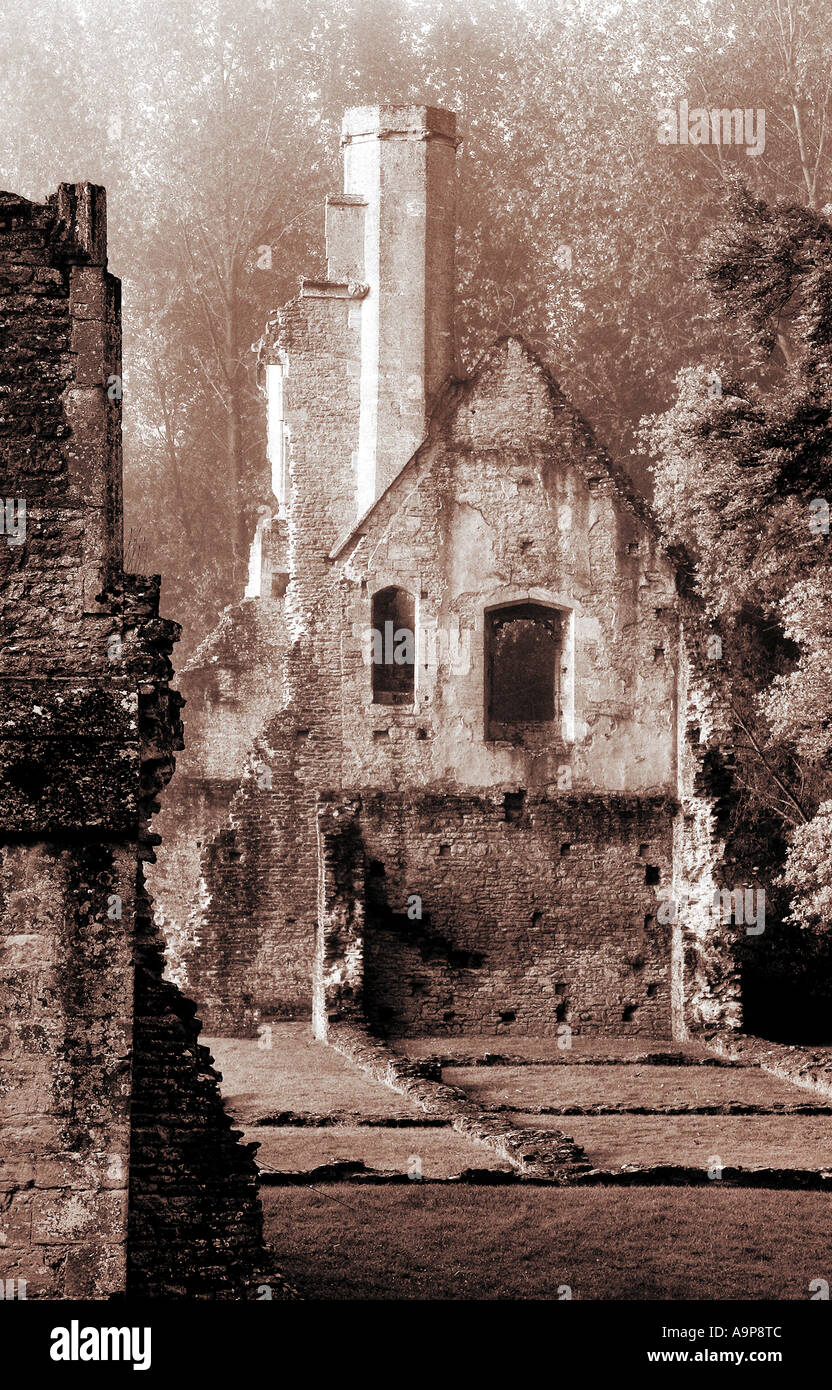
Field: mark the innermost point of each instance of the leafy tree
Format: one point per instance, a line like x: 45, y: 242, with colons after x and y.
x: 743, y: 474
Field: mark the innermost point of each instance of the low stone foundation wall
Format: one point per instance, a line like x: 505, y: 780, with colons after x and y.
x: 809, y: 1067
x: 544, y: 1154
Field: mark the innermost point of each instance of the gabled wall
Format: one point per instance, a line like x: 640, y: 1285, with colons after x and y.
x: 513, y: 885
x: 511, y: 500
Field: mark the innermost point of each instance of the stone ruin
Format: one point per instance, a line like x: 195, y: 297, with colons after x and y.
x: 484, y: 836
x: 445, y: 762
x: 119, y: 1169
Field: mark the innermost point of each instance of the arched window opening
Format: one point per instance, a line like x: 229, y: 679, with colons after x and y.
x: 522, y: 649
x: 394, y: 647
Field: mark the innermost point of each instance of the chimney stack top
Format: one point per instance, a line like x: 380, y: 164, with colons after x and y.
x: 385, y: 122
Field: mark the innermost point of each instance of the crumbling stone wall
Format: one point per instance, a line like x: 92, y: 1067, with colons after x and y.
x: 707, y: 992
x: 507, y: 458
x: 231, y: 686
x: 248, y: 956
x: 105, y: 1098
x: 195, y: 1226
x: 493, y: 913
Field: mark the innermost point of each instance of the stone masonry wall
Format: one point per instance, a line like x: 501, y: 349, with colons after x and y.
x: 535, y: 913
x: 251, y: 938
x: 104, y: 1094
x: 511, y: 500
x: 70, y: 769
x: 231, y: 687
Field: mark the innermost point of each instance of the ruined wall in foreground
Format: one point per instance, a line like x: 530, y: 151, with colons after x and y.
x: 118, y: 1167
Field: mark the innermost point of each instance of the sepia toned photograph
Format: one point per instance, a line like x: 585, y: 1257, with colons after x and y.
x: 416, y: 671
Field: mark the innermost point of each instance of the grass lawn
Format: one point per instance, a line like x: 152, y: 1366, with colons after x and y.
x: 442, y: 1153
x: 626, y: 1085
x: 295, y: 1073
x: 747, y: 1141
x: 459, y: 1243
x: 544, y: 1049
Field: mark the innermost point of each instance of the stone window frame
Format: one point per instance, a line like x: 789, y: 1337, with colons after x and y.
x: 561, y: 731
x: 403, y: 706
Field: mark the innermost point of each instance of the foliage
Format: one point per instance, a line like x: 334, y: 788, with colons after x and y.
x: 743, y: 477
x: 214, y: 124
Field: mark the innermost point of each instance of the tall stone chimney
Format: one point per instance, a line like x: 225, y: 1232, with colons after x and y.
x: 399, y: 201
